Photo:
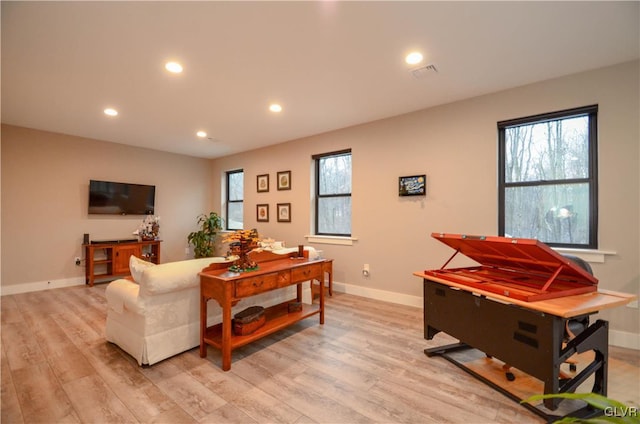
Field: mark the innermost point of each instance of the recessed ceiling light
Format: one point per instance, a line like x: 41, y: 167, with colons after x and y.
x: 111, y: 112
x: 201, y: 134
x: 174, y: 67
x: 275, y: 108
x: 413, y: 58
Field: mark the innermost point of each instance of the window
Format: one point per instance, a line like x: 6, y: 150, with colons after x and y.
x: 235, y: 199
x: 333, y: 193
x: 548, y: 178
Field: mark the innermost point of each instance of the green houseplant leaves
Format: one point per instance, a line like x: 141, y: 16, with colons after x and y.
x: 203, y: 240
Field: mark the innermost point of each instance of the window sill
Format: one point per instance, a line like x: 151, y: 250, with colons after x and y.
x: 593, y: 256
x: 338, y: 240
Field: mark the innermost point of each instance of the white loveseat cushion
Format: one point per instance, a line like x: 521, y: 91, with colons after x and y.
x: 136, y: 266
x: 174, y: 276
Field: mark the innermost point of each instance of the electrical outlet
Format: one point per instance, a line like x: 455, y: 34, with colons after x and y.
x: 77, y: 261
x: 186, y: 250
x: 365, y: 270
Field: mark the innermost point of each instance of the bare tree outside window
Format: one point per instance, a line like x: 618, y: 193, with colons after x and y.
x: 333, y: 193
x: 548, y: 179
x: 235, y: 200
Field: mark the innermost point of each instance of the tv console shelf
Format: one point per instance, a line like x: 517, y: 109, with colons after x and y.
x: 106, y: 260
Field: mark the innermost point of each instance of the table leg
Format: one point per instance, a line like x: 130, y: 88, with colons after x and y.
x: 226, y: 336
x: 322, y: 300
x: 203, y: 326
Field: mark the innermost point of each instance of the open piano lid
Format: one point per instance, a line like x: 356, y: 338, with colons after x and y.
x: 517, y: 254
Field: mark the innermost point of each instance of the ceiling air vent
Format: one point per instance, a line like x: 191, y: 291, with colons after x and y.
x: 423, y: 71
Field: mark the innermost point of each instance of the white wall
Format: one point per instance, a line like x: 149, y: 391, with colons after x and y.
x: 45, y: 180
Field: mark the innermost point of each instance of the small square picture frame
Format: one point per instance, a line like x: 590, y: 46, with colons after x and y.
x: 262, y: 213
x: 284, y: 212
x: 412, y: 185
x: 284, y: 180
x: 262, y: 183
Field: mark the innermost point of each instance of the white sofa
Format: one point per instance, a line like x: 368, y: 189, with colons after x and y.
x: 156, y: 314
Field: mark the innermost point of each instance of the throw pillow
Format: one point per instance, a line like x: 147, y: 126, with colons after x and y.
x: 137, y: 266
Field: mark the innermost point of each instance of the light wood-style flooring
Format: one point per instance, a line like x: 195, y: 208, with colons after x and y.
x: 365, y: 365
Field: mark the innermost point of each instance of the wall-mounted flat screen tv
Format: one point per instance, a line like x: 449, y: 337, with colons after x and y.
x: 111, y: 198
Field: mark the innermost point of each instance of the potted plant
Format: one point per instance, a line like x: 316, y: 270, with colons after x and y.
x: 203, y: 240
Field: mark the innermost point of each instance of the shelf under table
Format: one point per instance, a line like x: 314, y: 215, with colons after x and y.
x: 277, y: 318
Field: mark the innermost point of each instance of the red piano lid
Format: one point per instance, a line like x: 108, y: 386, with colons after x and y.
x: 516, y: 254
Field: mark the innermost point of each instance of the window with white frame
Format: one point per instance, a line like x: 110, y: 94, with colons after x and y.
x: 235, y: 199
x: 333, y: 193
x: 548, y: 186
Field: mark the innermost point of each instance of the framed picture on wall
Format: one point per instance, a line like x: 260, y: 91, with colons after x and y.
x: 284, y: 180
x: 284, y: 212
x: 263, y: 183
x: 414, y: 185
x: 262, y: 213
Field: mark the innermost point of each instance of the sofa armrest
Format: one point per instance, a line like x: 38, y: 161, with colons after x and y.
x: 123, y: 294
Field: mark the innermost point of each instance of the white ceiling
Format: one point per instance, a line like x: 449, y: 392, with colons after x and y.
x: 329, y: 64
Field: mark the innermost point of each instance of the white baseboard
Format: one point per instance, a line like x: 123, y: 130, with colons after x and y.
x: 41, y: 285
x: 387, y: 296
x: 624, y: 339
x: 616, y: 338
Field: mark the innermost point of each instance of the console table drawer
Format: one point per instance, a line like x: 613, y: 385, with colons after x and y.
x: 256, y: 285
x: 307, y: 273
x: 284, y: 279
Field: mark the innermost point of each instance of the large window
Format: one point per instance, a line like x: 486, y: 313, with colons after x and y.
x: 548, y: 178
x: 235, y: 199
x: 333, y: 193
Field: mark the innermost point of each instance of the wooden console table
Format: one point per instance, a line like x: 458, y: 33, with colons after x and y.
x: 228, y: 288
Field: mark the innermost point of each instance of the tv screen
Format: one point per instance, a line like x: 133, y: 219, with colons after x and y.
x: 106, y: 197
